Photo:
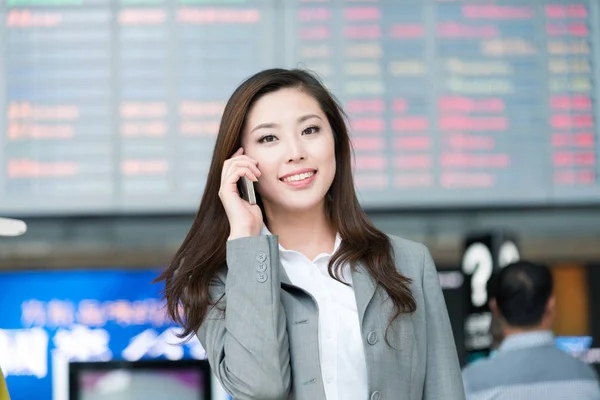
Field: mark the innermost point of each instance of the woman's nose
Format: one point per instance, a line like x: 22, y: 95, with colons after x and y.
x: 296, y: 152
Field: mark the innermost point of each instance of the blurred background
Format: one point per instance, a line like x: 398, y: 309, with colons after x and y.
x: 474, y: 123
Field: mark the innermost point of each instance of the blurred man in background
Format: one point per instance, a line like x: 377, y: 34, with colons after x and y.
x: 527, y: 364
x: 496, y: 328
x: 497, y: 333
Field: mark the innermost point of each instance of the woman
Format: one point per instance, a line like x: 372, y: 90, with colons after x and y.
x: 299, y: 296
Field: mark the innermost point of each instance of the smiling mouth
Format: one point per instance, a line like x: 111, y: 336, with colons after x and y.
x: 299, y: 177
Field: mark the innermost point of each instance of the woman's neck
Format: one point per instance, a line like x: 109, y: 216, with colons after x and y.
x: 309, y: 232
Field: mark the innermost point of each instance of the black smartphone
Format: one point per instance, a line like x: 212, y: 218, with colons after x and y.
x: 246, y: 189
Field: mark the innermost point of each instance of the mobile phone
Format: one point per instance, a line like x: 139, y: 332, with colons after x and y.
x: 246, y: 189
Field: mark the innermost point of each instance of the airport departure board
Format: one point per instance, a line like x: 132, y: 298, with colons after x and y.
x: 112, y: 106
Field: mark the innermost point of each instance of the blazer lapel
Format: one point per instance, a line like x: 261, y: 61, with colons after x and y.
x: 364, y: 289
x: 284, y: 280
x: 283, y: 276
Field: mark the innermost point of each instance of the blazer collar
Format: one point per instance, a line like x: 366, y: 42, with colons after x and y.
x: 284, y: 278
x: 364, y: 287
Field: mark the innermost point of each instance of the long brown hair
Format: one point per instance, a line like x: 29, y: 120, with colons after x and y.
x: 203, y: 252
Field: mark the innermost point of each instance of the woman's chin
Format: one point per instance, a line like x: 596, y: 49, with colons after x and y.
x: 298, y: 204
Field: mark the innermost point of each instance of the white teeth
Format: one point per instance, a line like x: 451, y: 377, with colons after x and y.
x: 299, y: 177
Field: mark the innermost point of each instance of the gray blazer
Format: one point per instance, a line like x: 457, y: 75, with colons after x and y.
x: 265, y: 346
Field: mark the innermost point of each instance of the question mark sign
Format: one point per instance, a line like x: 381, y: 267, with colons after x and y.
x: 508, y: 254
x: 477, y: 262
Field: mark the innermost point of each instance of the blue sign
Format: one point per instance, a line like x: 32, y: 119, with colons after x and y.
x: 50, y: 318
x: 574, y: 345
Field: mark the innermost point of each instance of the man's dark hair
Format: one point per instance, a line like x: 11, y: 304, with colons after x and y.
x: 522, y: 290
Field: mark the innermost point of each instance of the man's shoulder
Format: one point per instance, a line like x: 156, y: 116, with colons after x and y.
x: 480, y: 369
x: 526, y: 366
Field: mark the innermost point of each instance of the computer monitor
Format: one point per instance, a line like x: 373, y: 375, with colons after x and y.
x: 141, y: 380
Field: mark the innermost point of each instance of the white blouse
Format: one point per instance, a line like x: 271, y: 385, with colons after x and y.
x: 343, y: 365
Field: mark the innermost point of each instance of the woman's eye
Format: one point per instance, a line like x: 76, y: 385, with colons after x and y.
x: 267, y: 139
x: 311, y: 130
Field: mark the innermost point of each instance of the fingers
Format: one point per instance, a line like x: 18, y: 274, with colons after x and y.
x: 238, y: 155
x: 239, y: 172
x: 243, y: 163
x: 239, y: 160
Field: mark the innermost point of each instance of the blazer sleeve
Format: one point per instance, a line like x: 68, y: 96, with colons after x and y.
x: 247, y: 344
x: 443, y: 380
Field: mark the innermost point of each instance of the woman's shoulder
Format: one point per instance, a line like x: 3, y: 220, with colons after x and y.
x: 410, y: 256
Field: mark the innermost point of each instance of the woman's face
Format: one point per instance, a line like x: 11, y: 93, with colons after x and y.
x: 289, y: 135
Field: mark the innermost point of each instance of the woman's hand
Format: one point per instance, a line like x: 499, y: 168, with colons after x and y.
x: 244, y: 219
